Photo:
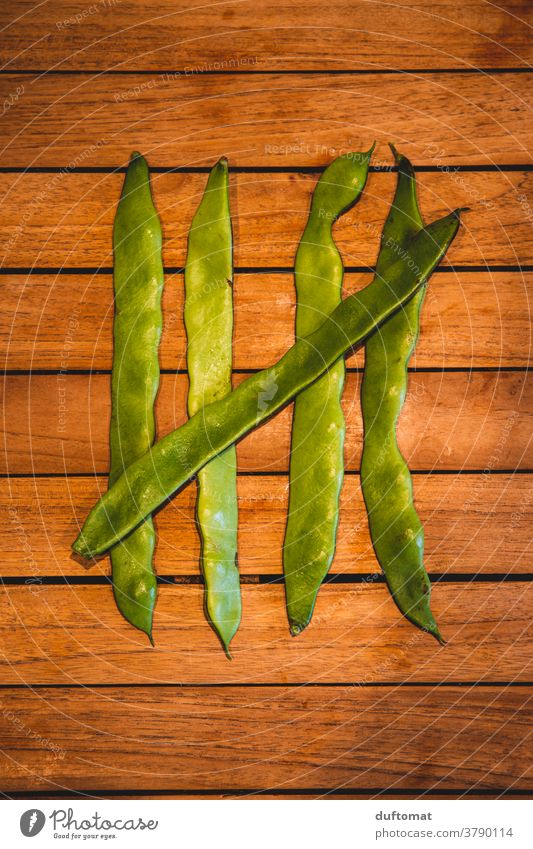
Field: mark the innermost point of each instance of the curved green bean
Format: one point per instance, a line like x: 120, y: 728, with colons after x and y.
x: 209, y: 325
x: 173, y: 460
x: 138, y: 285
x: 395, y: 528
x: 318, y: 427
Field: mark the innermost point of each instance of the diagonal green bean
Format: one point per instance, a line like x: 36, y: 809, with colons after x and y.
x: 138, y: 285
x: 209, y: 325
x: 318, y: 427
x: 173, y: 460
x: 395, y: 528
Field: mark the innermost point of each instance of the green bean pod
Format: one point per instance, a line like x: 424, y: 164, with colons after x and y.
x: 395, y: 528
x: 138, y: 286
x: 176, y: 458
x: 209, y: 325
x: 318, y: 427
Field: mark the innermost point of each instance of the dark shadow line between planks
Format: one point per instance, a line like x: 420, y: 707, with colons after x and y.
x: 259, y: 269
x: 267, y: 685
x: 50, y: 372
x: 262, y: 169
x: 239, y: 793
x: 336, y: 578
x: 269, y: 473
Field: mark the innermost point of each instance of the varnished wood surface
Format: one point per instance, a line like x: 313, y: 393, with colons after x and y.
x: 257, y: 34
x: 451, y: 420
x: 324, y: 794
x: 272, y: 120
x: 58, y: 634
x: 473, y: 523
x: 65, y: 219
x: 253, y: 80
x: 55, y: 321
x: 338, y: 737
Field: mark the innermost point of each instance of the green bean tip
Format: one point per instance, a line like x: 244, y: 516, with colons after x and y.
x: 433, y: 629
x: 83, y: 558
x: 395, y: 152
x: 80, y: 548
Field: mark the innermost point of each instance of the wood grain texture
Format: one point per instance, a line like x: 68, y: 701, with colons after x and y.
x: 75, y: 634
x: 256, y: 34
x: 451, y: 420
x: 224, y: 741
x: 267, y: 120
x: 65, y: 321
x: 65, y: 219
x: 320, y: 794
x: 274, y: 738
x: 473, y: 523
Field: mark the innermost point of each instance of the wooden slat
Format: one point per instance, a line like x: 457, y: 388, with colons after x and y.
x: 66, y: 219
x: 273, y: 738
x: 75, y: 634
x: 451, y: 420
x: 198, y: 738
x: 265, y: 35
x: 317, y: 793
x: 468, y: 320
x: 267, y: 120
x: 472, y: 523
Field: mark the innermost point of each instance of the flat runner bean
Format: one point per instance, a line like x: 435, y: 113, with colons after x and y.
x: 176, y: 458
x: 209, y: 325
x: 138, y: 285
x: 395, y: 528
x: 318, y: 427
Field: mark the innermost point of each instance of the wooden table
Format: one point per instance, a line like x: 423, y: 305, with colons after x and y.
x: 360, y: 704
